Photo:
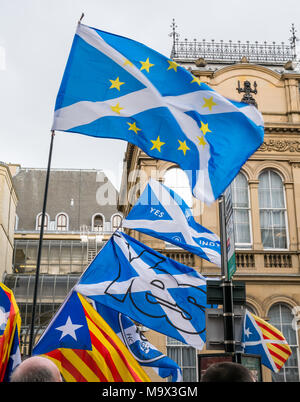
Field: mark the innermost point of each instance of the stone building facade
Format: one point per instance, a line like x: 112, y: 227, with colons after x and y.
x: 266, y: 192
x: 81, y: 215
x: 8, y: 203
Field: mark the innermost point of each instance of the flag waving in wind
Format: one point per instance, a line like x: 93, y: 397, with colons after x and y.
x: 261, y: 338
x: 145, y: 354
x: 10, y: 325
x: 161, y: 213
x: 85, y: 348
x: 115, y: 87
x: 148, y: 287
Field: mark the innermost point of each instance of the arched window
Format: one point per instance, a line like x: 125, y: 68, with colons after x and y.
x: 272, y: 210
x: 251, y: 309
x: 241, y: 211
x: 62, y: 222
x: 177, y: 180
x: 116, y: 221
x: 281, y: 317
x: 98, y: 223
x: 39, y: 221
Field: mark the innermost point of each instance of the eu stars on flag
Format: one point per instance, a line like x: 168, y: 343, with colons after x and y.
x: 111, y: 80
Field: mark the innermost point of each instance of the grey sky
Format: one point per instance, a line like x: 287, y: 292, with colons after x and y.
x: 35, y: 39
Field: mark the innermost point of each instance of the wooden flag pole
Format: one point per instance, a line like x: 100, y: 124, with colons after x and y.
x: 38, y: 263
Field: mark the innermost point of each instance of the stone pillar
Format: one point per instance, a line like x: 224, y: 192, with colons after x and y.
x: 291, y: 216
x: 256, y: 233
x: 292, y: 97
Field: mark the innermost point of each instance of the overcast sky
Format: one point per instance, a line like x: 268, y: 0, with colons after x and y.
x: 35, y: 39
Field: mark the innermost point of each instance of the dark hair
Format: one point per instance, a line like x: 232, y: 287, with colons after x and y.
x: 34, y: 374
x: 227, y: 372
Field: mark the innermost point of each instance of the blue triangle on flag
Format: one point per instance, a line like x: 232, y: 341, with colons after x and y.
x: 149, y: 207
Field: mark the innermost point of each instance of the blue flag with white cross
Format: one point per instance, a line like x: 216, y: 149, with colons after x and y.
x: 160, y: 212
x: 115, y: 87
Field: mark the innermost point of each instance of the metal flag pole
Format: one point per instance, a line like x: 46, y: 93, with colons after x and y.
x: 38, y: 263
x: 228, y: 312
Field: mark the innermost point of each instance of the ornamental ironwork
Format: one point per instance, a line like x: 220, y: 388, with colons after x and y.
x: 230, y: 52
x: 247, y: 90
x: 212, y: 51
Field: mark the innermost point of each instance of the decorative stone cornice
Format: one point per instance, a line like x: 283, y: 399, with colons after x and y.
x: 280, y: 146
x: 282, y: 129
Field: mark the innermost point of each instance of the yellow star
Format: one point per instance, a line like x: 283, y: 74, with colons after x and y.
x: 146, y: 65
x: 127, y: 62
x: 172, y: 65
x: 133, y: 127
x: 116, y: 84
x: 157, y: 144
x: 204, y: 128
x: 183, y: 147
x: 209, y: 103
x: 197, y: 80
x: 117, y: 108
x: 202, y: 141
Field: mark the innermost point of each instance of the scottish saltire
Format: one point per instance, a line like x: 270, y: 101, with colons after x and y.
x: 85, y: 348
x: 10, y: 324
x: 148, y: 287
x: 161, y: 213
x: 261, y: 338
x: 115, y: 87
x: 142, y: 350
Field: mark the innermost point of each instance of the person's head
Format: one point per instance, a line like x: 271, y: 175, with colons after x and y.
x: 36, y: 369
x: 227, y: 372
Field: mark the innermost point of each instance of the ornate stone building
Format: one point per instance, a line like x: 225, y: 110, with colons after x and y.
x: 266, y: 192
x: 8, y: 203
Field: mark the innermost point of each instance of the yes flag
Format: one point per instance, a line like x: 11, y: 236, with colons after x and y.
x: 145, y: 354
x: 85, y: 348
x: 261, y: 338
x: 115, y: 87
x: 10, y: 324
x: 148, y: 287
x: 161, y: 213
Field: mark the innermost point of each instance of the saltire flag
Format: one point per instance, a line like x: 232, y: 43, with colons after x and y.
x: 261, y: 338
x: 85, y: 348
x: 161, y: 213
x: 115, y: 87
x: 10, y: 324
x: 146, y: 354
x: 148, y: 287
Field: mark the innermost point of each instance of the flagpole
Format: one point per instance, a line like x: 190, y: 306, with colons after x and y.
x: 228, y: 311
x: 38, y: 263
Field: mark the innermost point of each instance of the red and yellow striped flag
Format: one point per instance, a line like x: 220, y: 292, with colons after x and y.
x: 85, y: 348
x: 10, y: 321
x: 262, y: 338
x: 275, y: 342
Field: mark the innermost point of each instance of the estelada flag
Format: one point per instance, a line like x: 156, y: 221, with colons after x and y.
x: 260, y: 337
x: 85, y: 348
x: 10, y: 324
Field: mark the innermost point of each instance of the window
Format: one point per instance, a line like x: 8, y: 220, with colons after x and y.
x: 62, y: 222
x: 116, y: 221
x: 272, y: 210
x: 185, y: 356
x: 281, y: 317
x: 177, y: 180
x: 241, y: 211
x: 39, y: 221
x: 98, y: 223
